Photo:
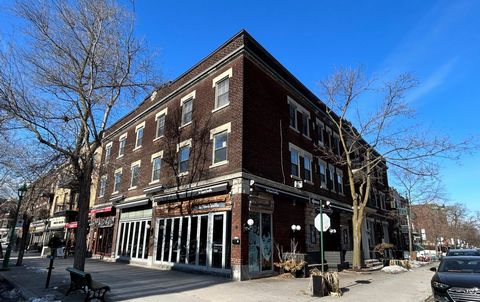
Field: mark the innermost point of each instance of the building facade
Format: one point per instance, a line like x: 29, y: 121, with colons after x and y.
x: 212, y: 170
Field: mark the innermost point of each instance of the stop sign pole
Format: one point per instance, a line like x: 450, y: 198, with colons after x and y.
x: 321, y: 235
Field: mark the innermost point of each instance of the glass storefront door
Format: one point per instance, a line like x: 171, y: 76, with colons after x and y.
x: 260, y: 246
x: 199, y: 240
x: 133, y: 239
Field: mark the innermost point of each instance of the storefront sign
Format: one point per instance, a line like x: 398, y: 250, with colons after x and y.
x: 71, y: 225
x: 57, y: 222
x: 191, y: 193
x: 261, y: 203
x: 208, y: 206
x: 101, y: 210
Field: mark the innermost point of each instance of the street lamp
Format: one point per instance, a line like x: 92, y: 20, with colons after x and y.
x: 21, y: 193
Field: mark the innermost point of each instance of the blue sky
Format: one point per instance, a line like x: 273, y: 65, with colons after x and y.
x: 437, y: 41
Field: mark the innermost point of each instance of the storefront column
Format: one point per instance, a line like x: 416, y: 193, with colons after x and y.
x: 239, y: 253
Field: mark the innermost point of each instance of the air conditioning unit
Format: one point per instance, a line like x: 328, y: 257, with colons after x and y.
x: 298, y: 184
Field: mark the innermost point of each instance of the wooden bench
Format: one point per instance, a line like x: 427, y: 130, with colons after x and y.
x: 83, y: 281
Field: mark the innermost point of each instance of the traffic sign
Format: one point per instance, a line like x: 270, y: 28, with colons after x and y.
x: 326, y: 222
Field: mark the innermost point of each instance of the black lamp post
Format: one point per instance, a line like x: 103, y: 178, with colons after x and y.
x: 21, y: 193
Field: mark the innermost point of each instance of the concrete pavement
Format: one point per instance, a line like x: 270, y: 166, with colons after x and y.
x: 135, y: 283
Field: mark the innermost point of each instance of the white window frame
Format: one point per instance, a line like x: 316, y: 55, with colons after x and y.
x: 155, y: 156
x: 223, y: 76
x: 118, y: 171
x: 139, y: 127
x: 185, y: 143
x: 103, y: 186
x: 323, y: 184
x: 164, y: 113
x: 301, y: 109
x: 122, y: 137
x: 189, y: 97
x: 300, y: 153
x: 108, y: 147
x: 339, y: 181
x: 225, y: 127
x: 133, y: 165
x: 309, y: 158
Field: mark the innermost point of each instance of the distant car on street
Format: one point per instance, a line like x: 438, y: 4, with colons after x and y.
x: 463, y: 252
x: 457, y: 279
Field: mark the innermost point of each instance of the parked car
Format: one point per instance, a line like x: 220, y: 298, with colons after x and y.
x: 457, y: 279
x: 463, y: 252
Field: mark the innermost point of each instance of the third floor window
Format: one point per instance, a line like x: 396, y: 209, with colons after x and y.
x: 139, y: 135
x: 221, y: 93
x: 187, y: 111
x: 121, y: 145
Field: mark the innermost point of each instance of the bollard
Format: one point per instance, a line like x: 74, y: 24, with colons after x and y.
x: 50, y: 267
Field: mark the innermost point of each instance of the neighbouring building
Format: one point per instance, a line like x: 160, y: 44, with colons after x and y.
x: 212, y: 170
x: 430, y: 225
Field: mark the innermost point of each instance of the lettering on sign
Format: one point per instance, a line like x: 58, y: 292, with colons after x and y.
x: 209, y: 206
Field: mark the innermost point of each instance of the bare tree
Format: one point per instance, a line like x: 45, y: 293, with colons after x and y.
x: 374, y: 126
x: 196, y: 148
x: 457, y: 217
x: 77, y: 62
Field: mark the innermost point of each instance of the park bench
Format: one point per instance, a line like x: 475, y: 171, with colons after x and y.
x: 83, y: 281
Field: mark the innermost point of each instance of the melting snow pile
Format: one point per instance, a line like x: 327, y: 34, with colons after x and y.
x: 394, y: 269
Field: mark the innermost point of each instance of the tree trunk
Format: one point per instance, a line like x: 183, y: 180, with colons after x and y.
x: 85, y: 180
x: 357, y: 243
x: 23, y: 242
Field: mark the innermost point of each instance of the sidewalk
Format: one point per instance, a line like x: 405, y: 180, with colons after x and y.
x: 135, y: 283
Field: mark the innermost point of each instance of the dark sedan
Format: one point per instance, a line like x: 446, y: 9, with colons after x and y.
x: 463, y: 252
x: 457, y: 279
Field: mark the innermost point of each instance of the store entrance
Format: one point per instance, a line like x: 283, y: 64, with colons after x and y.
x: 201, y: 241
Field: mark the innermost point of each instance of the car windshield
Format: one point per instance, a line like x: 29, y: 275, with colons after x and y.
x: 460, y: 266
x: 463, y: 253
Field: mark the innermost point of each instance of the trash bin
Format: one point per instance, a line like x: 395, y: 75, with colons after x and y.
x: 317, y: 285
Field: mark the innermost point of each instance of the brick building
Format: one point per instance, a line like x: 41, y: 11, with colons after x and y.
x: 233, y: 138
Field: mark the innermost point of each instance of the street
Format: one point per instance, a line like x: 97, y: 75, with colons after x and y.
x: 135, y: 283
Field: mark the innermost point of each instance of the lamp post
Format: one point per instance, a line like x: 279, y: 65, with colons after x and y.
x: 21, y: 193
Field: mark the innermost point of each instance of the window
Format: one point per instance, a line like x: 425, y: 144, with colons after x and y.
x: 117, y: 180
x: 293, y: 115
x: 313, y: 234
x: 160, y: 126
x: 307, y: 168
x: 183, y: 156
x: 294, y: 108
x: 331, y: 177
x: 340, y: 181
x: 221, y: 83
x: 294, y: 163
x: 322, y: 169
x: 122, y: 143
x: 305, y: 125
x: 220, y: 144
x: 187, y: 104
x: 108, y: 152
x: 220, y: 147
x: 221, y: 93
x: 336, y: 144
x: 328, y: 141
x: 103, y: 185
x: 320, y: 129
x: 139, y: 134
x: 156, y: 166
x: 135, y: 173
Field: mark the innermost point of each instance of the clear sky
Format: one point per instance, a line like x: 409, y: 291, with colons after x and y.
x: 437, y: 41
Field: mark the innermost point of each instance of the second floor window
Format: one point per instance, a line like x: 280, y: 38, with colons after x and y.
x: 307, y: 168
x: 139, y: 139
x: 340, y: 181
x: 221, y: 93
x: 331, y: 177
x: 156, y: 166
x: 295, y: 166
x: 117, y: 181
x: 220, y: 147
x: 135, y: 173
x: 103, y: 185
x: 322, y: 170
x: 183, y: 157
x: 187, y: 111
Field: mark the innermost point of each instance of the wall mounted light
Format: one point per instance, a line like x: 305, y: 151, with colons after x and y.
x: 332, y: 231
x: 295, y: 228
x: 248, y: 226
